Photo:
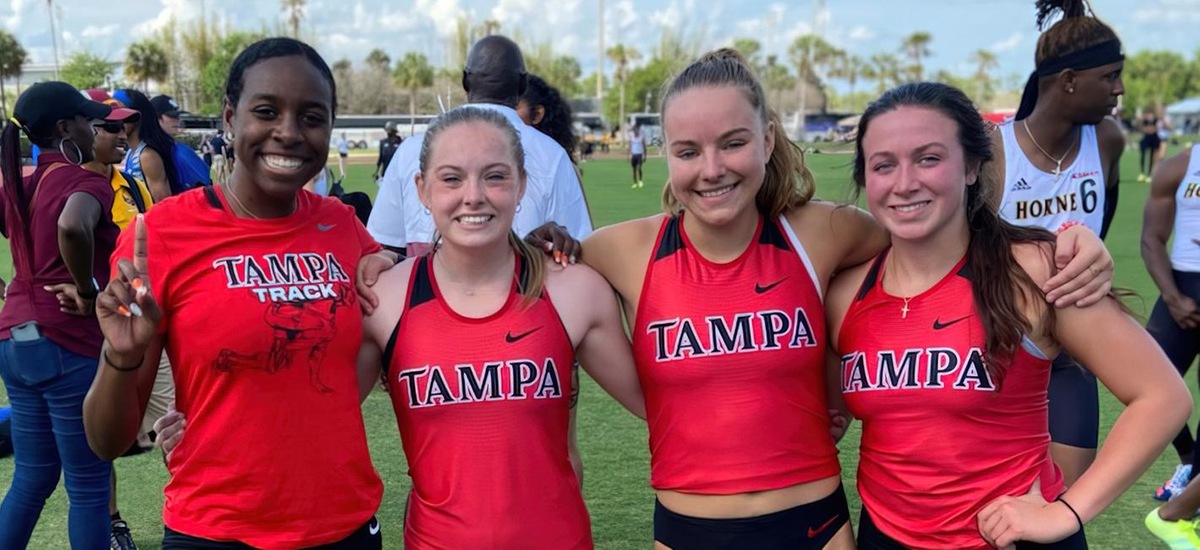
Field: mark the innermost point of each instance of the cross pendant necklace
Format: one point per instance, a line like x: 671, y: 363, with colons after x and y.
x: 1057, y: 161
x: 904, y: 310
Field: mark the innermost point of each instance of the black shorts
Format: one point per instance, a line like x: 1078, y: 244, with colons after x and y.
x: 1150, y: 142
x: 808, y: 526
x: 637, y: 160
x: 367, y: 537
x: 343, y: 155
x: 1074, y: 404
x: 1181, y: 345
x: 871, y: 538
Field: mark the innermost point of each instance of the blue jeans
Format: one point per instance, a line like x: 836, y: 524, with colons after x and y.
x: 46, y: 384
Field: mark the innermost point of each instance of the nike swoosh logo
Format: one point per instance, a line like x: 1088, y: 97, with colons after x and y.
x: 938, y: 325
x: 510, y: 338
x: 812, y: 533
x: 323, y: 227
x: 759, y: 289
x: 374, y: 528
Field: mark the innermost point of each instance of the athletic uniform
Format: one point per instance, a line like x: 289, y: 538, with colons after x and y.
x: 261, y: 322
x: 1035, y: 198
x: 483, y: 406
x: 724, y: 352
x: 941, y: 437
x: 1182, y: 345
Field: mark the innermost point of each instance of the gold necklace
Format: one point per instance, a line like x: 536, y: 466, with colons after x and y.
x: 1057, y: 161
x: 904, y: 310
x: 233, y: 196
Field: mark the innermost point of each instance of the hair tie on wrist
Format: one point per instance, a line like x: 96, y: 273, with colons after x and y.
x: 113, y: 364
x: 1072, y: 509
x: 1067, y: 225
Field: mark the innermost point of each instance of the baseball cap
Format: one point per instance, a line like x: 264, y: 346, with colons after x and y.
x: 120, y: 113
x: 45, y: 103
x: 165, y: 105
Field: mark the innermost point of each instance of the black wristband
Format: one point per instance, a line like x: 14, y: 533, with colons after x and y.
x: 1072, y: 509
x: 88, y: 292
x: 115, y: 366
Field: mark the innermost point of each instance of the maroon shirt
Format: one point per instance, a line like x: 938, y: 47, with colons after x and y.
x: 27, y: 300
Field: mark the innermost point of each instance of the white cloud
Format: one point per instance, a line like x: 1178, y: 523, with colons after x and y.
x: 18, y: 8
x: 1008, y: 44
x: 94, y: 31
x: 179, y: 10
x: 860, y: 33
x: 443, y: 13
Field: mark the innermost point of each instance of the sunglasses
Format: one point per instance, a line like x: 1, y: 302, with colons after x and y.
x: 110, y: 127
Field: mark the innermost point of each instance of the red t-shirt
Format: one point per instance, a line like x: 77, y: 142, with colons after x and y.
x: 263, y: 328
x: 483, y: 407
x: 940, y: 435
x: 27, y: 301
x: 732, y: 362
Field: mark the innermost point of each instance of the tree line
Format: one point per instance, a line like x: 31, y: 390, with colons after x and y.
x: 190, y: 60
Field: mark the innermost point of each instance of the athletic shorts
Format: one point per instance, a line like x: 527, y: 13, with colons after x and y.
x: 1150, y: 141
x: 637, y: 160
x: 343, y: 155
x: 1179, y: 344
x: 871, y: 538
x: 367, y: 537
x: 808, y: 526
x: 1074, y: 404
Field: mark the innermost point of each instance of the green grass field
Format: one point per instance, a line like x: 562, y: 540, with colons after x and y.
x: 613, y: 443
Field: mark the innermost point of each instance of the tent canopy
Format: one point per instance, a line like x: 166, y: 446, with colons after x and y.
x: 1190, y: 106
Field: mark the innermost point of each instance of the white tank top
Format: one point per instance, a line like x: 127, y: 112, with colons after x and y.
x: 1035, y: 198
x: 1185, y: 254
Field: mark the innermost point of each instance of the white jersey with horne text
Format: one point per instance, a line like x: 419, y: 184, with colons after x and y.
x: 1035, y: 198
x: 1185, y: 254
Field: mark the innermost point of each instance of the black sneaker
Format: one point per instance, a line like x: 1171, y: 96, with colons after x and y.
x: 120, y: 539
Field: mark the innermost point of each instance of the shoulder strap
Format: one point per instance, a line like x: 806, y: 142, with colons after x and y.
x: 37, y: 186
x: 135, y: 191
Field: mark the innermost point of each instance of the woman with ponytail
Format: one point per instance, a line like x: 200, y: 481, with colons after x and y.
x: 724, y: 296
x: 151, y: 149
x: 477, y: 339
x: 59, y: 225
x: 1060, y: 166
x: 946, y: 344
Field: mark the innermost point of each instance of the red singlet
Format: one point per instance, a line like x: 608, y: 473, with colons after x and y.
x: 732, y: 362
x: 483, y: 407
x: 940, y: 440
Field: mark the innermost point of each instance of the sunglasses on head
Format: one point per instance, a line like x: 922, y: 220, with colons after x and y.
x: 110, y: 126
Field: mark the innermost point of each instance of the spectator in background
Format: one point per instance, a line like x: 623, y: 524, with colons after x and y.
x: 150, y: 157
x: 59, y: 223
x: 343, y: 151
x: 543, y: 107
x: 387, y: 148
x: 130, y: 198
x: 219, y: 146
x: 637, y: 153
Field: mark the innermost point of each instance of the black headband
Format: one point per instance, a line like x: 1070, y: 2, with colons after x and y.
x: 1090, y: 57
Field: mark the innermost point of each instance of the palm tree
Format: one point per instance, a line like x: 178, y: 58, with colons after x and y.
x: 916, y: 47
x: 749, y: 48
x: 12, y: 58
x: 884, y: 69
x: 777, y: 78
x: 413, y: 73
x: 145, y: 61
x: 850, y: 68
x: 378, y: 59
x: 295, y: 12
x: 621, y: 56
x: 985, y: 62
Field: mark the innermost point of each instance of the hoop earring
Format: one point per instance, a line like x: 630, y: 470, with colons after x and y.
x: 427, y: 212
x: 78, y: 152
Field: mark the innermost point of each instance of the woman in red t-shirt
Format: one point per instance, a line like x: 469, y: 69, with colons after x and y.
x: 249, y: 289
x: 945, y: 343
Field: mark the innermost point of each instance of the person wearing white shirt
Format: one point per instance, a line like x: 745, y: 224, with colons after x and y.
x: 637, y: 153
x: 494, y: 78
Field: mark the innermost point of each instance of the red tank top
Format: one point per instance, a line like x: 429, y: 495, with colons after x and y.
x: 731, y: 359
x: 483, y: 407
x: 939, y: 434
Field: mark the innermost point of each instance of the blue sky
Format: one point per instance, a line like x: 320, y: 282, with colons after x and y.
x: 351, y: 28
